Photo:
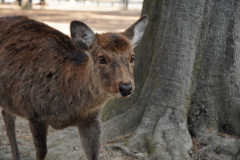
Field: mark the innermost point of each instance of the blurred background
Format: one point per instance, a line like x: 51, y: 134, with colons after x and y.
x: 123, y: 4
x: 100, y: 15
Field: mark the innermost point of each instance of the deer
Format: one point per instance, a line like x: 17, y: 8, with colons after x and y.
x: 55, y: 80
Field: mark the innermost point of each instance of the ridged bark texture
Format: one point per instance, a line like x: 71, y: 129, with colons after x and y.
x: 187, y: 80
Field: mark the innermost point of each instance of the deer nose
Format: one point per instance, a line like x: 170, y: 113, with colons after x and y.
x: 125, y: 89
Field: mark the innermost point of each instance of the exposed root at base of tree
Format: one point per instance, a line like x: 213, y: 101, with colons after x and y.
x: 226, y: 135
x: 221, y: 150
x: 116, y: 149
x: 125, y: 151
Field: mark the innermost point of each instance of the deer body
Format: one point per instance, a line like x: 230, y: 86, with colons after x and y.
x: 50, y: 79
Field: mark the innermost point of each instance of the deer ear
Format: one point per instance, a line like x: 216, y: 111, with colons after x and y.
x: 82, y: 35
x: 135, y: 31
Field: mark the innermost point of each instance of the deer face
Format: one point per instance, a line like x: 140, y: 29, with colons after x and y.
x: 113, y: 57
x: 111, y: 54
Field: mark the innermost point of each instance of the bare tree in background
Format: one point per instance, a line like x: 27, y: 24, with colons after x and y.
x: 125, y: 4
x: 25, y: 4
x: 187, y: 102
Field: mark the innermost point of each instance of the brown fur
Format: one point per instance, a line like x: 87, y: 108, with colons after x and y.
x: 114, y: 42
x: 47, y: 79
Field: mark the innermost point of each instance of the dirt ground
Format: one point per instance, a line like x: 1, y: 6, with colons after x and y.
x: 65, y: 144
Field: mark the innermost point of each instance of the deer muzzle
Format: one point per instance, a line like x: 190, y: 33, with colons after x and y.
x: 125, y: 89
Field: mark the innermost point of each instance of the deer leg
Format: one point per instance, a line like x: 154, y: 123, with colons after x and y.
x: 90, y: 138
x: 9, y: 121
x: 39, y: 134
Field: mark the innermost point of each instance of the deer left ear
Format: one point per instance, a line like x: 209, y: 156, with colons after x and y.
x: 82, y: 35
x: 135, y: 32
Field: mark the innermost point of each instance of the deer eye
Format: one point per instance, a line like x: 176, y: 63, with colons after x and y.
x: 102, y: 60
x: 132, y: 59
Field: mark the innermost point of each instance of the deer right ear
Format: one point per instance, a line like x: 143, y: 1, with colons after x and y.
x: 82, y: 35
x: 135, y: 31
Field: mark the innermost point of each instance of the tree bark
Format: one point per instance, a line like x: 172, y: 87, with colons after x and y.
x: 186, y: 105
x: 215, y: 98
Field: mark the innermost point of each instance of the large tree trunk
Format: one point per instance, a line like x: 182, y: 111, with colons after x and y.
x: 187, y: 80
